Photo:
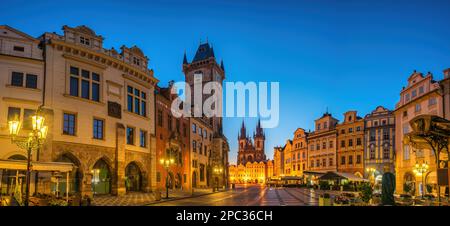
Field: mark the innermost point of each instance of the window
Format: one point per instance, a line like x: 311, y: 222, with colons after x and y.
x: 98, y: 129
x: 324, y: 145
x: 358, y: 141
x: 331, y: 144
x: 407, y: 97
x: 325, y: 125
x: 194, y: 146
x: 88, y: 81
x: 342, y: 131
x: 136, y: 61
x: 350, y: 142
x: 85, y: 41
x: 160, y: 118
x: 200, y: 131
x: 69, y: 124
x: 358, y: 159
x: 317, y: 146
x: 350, y: 159
x: 405, y: 114
x: 405, y: 152
x: 19, y: 48
x: 330, y: 161
x: 169, y: 122
x: 136, y: 101
x: 312, y: 147
x: 202, y: 172
x: 194, y: 128
x: 372, y: 152
x: 358, y: 128
x: 17, y: 79
x: 27, y: 120
x: 143, y: 138
x: 432, y: 101
x: 318, y: 126
x: 372, y: 135
x: 13, y: 114
x: 421, y: 90
x: 312, y: 163
x: 414, y: 93
x: 158, y: 176
x: 342, y: 143
x: 386, y: 153
x: 375, y: 123
x: 386, y: 134
x: 317, y: 163
x: 350, y: 130
x: 383, y: 122
x: 130, y: 135
x: 343, y: 160
x: 324, y: 162
x: 417, y: 108
x: 405, y: 128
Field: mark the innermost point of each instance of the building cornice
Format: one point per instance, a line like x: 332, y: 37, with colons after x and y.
x: 71, y: 50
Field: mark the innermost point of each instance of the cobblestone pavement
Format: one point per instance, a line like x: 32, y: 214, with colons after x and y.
x: 255, y: 195
x: 141, y: 198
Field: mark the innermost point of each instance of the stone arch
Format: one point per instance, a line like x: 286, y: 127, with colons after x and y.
x: 76, y: 176
x: 194, y: 179
x: 102, y: 176
x: 409, y: 182
x: 15, y: 153
x: 134, y: 176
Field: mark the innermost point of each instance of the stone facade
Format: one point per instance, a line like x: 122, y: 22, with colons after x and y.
x: 98, y: 104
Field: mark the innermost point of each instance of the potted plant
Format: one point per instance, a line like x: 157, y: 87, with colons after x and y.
x: 325, y: 200
x: 341, y: 200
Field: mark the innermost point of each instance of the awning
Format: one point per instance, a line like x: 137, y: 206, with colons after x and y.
x: 313, y: 173
x: 291, y: 178
x: 340, y: 175
x: 62, y: 167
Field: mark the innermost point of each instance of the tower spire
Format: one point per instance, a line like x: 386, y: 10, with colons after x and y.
x: 185, y: 61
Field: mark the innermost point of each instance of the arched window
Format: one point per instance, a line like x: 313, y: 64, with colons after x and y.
x: 372, y: 152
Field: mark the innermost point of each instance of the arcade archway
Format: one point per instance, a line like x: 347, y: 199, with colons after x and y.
x: 133, y: 181
x: 101, y: 178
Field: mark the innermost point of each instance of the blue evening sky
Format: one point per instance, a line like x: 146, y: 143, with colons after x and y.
x: 344, y: 55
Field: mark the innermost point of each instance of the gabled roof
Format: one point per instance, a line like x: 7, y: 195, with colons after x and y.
x: 204, y: 51
x: 19, y: 33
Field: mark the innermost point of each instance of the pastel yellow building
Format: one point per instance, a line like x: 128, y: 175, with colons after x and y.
x: 98, y: 105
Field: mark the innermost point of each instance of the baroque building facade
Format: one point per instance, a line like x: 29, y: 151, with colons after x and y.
x: 379, y: 140
x: 97, y: 102
x: 322, y: 145
x: 350, y: 147
x: 422, y: 95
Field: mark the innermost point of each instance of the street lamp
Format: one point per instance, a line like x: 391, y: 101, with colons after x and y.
x: 32, y: 142
x: 217, y: 170
x: 420, y: 170
x: 166, y: 163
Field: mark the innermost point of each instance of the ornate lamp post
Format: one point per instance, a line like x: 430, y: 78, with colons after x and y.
x: 31, y: 142
x: 166, y: 163
x: 217, y: 170
x: 421, y: 170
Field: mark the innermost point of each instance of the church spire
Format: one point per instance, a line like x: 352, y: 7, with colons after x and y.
x: 221, y: 65
x: 185, y: 58
x: 243, y: 134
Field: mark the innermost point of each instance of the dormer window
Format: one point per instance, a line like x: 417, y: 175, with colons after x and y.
x: 85, y: 41
x: 136, y: 61
x: 19, y: 48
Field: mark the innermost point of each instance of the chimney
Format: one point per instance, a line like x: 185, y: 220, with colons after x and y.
x: 447, y: 73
